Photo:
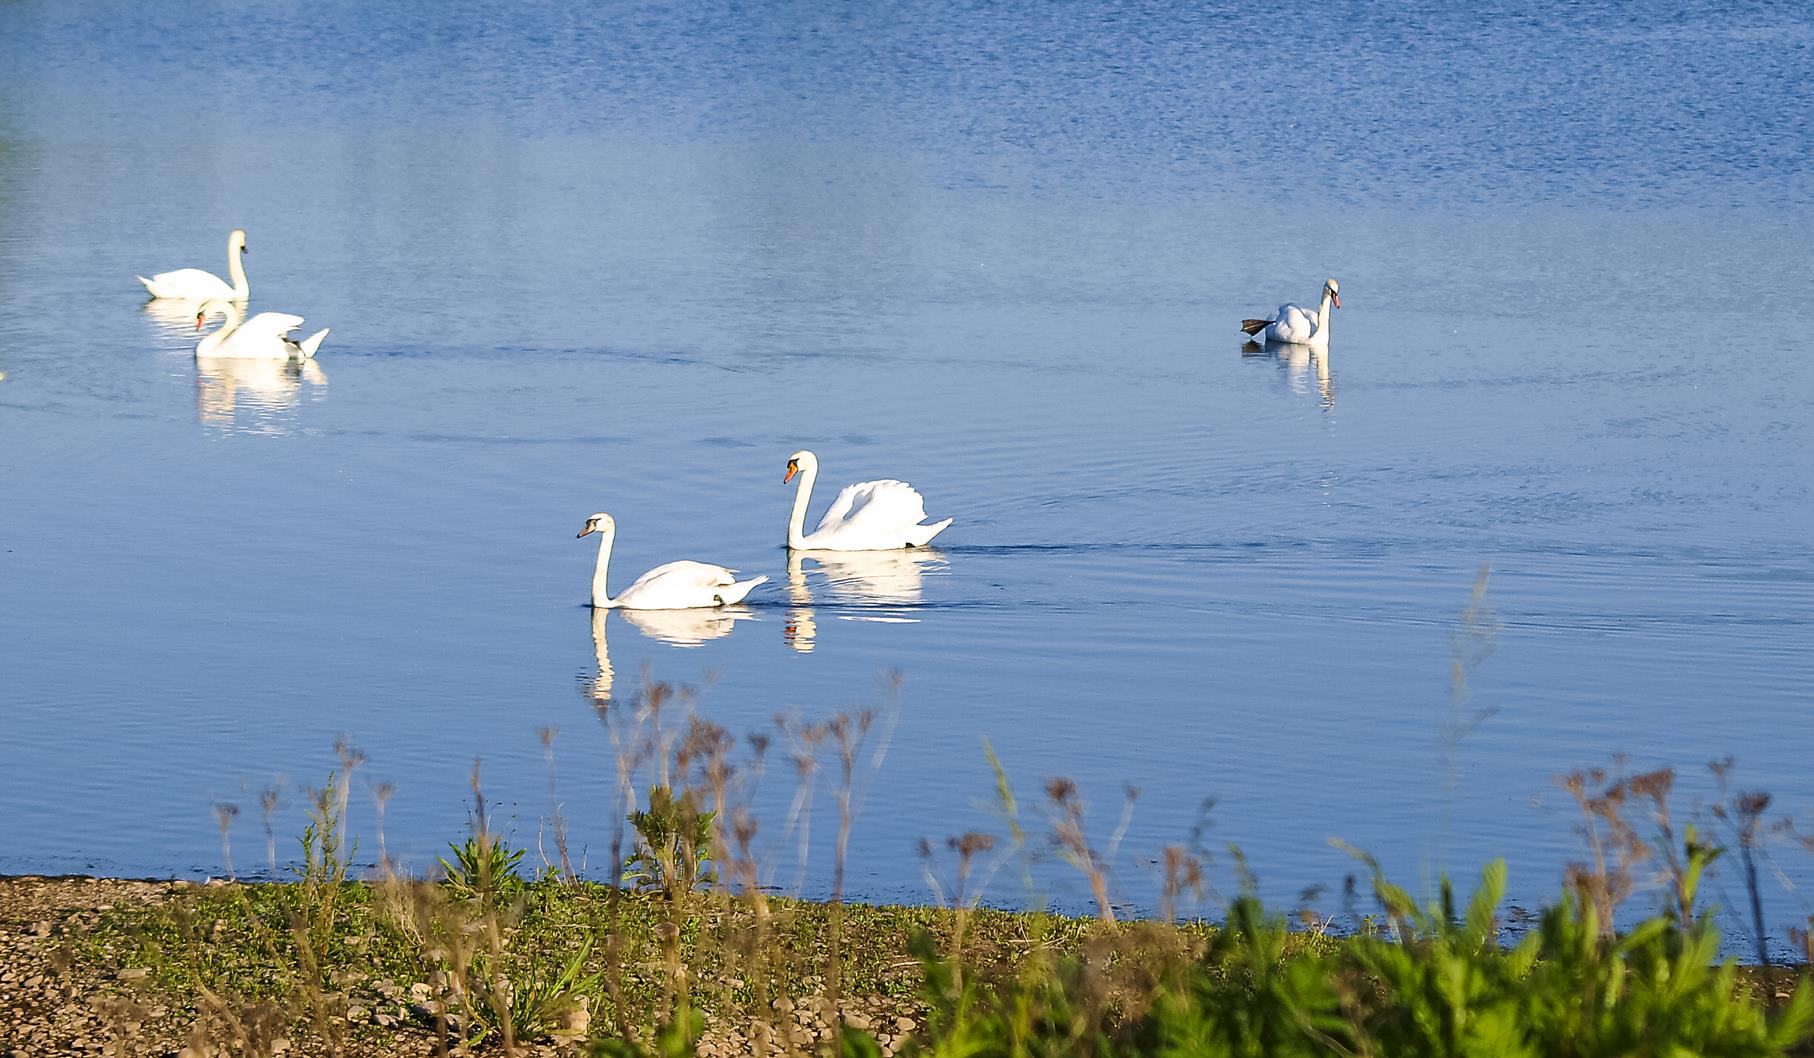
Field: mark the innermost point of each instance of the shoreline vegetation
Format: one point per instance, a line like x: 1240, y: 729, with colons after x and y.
x: 397, y: 966
x: 690, y: 950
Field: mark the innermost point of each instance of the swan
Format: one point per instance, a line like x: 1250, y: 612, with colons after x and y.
x: 265, y: 336
x: 675, y: 586
x: 193, y: 284
x: 867, y: 516
x: 1295, y: 325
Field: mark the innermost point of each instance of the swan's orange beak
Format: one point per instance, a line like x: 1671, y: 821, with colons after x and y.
x: 583, y: 532
x: 1336, y: 299
x: 198, y: 320
x: 792, y: 469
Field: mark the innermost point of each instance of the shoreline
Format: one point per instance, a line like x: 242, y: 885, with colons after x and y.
x: 94, y: 965
x: 76, y: 980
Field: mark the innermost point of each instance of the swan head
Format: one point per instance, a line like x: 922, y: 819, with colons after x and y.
x: 203, y: 310
x: 1333, y: 291
x: 800, y: 462
x: 236, y: 242
x: 601, y: 523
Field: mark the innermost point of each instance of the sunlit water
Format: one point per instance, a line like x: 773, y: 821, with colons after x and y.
x: 629, y: 260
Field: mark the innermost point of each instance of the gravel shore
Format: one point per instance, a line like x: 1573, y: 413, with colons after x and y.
x: 63, y: 992
x: 57, y: 1001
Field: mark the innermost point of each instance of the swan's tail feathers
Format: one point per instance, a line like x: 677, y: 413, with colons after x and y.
x: 312, y: 343
x: 1255, y: 326
x: 927, y: 532
x: 736, y: 593
x: 149, y: 289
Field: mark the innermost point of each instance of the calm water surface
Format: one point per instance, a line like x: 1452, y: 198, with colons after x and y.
x: 628, y: 259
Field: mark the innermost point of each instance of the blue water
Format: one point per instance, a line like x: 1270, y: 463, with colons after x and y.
x: 628, y: 259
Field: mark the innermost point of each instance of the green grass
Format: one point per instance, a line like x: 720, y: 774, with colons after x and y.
x: 1432, y: 980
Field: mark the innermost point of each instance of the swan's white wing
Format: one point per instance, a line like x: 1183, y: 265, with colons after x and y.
x: 267, y: 327
x: 1293, y: 324
x: 188, y: 283
x: 684, y: 576
x: 683, y: 585
x: 874, y: 506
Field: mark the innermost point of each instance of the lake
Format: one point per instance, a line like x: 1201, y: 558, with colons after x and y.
x: 628, y: 258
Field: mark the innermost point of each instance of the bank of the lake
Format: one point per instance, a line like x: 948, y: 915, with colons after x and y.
x: 125, y: 966
x: 400, y: 967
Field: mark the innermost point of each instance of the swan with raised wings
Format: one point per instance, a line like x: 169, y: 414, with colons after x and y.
x: 1295, y: 325
x: 675, y: 586
x: 867, y: 516
x: 265, y: 336
x: 193, y: 284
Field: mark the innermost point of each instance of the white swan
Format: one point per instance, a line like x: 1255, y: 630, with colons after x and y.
x: 193, y: 284
x: 265, y: 336
x: 675, y: 586
x: 1294, y: 324
x: 867, y: 516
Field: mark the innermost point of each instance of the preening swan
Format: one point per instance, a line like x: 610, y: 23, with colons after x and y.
x: 1294, y: 324
x: 675, y: 586
x: 193, y: 284
x: 265, y: 336
x: 867, y: 516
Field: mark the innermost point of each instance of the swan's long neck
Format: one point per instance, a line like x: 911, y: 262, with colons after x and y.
x: 1322, y: 315
x: 600, y: 596
x: 211, y: 342
x: 236, y: 268
x: 803, y: 493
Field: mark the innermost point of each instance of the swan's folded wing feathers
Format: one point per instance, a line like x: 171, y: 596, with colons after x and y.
x: 1294, y: 322
x: 267, y: 327
x: 684, y: 573
x: 882, y: 505
x: 190, y: 277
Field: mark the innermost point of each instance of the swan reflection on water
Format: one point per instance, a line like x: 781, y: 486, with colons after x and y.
x: 688, y: 628
x: 854, y: 578
x: 176, y: 318
x: 601, y: 654
x: 1298, y: 361
x: 680, y: 628
x: 225, y: 385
